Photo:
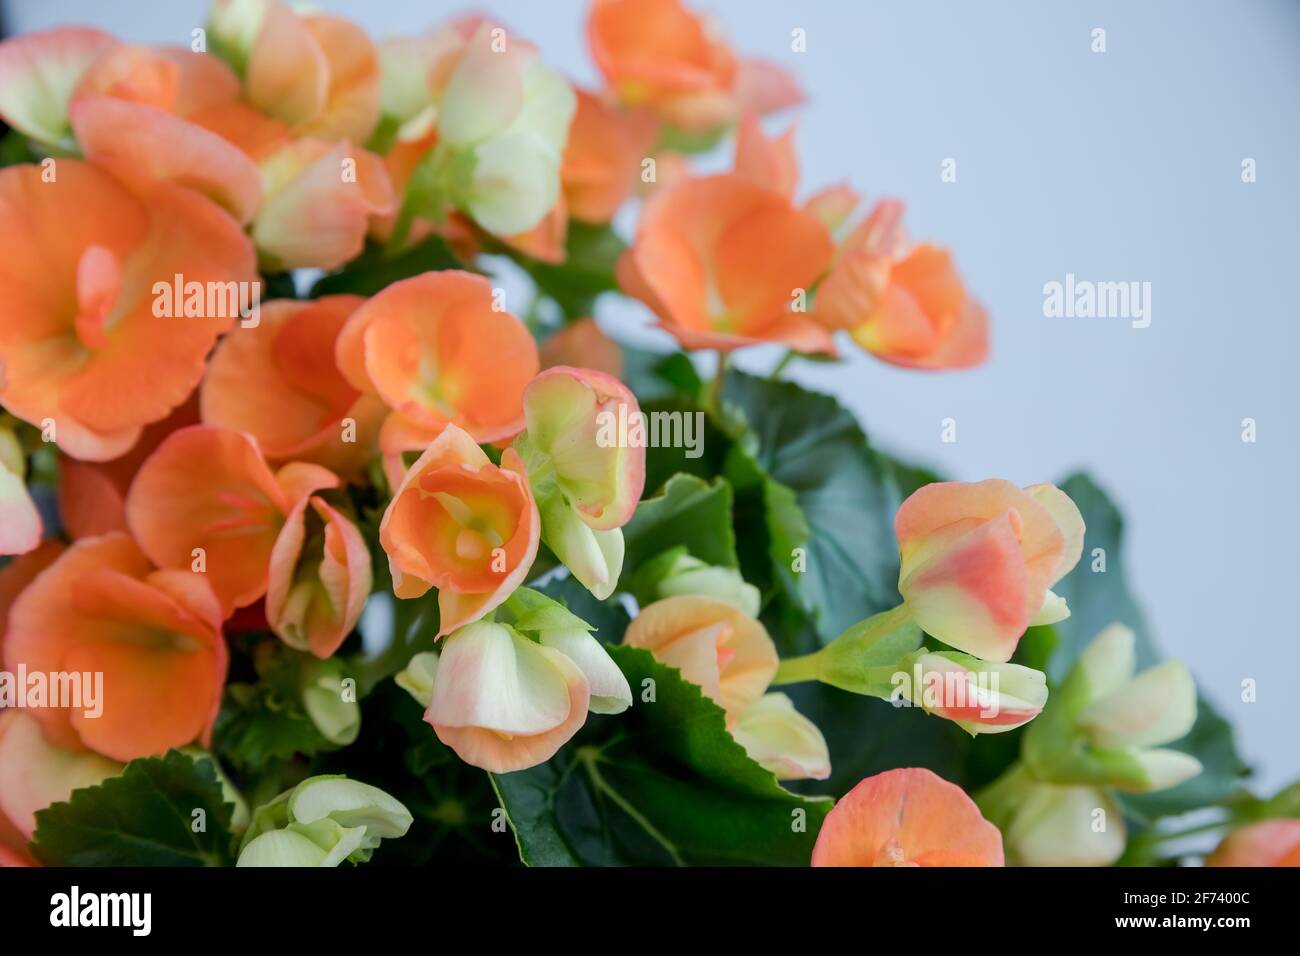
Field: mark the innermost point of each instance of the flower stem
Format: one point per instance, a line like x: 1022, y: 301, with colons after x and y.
x: 796, y: 670
x: 775, y: 374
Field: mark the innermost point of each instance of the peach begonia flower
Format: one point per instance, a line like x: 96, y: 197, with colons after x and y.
x: 133, y: 113
x: 725, y: 263
x: 436, y: 351
x: 319, y: 578
x: 20, y: 522
x: 101, y: 607
x: 658, y: 54
x: 778, y: 737
x: 279, y: 382
x: 504, y: 702
x: 978, y: 560
x: 770, y: 162
x: 318, y: 74
x: 38, y: 73
x: 34, y: 773
x: 904, y: 304
x: 92, y: 495
x: 602, y: 158
x: 207, y: 502
x: 462, y: 524
x: 488, y: 122
x: 85, y: 341
x: 582, y: 344
x: 726, y: 652
x: 907, y: 817
x: 980, y: 697
x: 503, y: 118
x: 1267, y: 843
x: 586, y: 467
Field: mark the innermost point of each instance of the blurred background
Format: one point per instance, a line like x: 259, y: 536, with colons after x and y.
x: 1117, y: 166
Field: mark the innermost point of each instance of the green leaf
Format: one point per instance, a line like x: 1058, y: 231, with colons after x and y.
x: 377, y: 268
x: 1100, y: 598
x: 144, y: 817
x: 591, y: 253
x: 662, y: 783
x: 264, y: 722
x: 687, y: 512
x: 823, y: 489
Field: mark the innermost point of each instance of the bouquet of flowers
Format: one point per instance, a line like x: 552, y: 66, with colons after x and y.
x: 325, y: 547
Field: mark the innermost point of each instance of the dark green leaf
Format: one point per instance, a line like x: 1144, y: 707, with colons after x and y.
x: 822, y: 489
x: 662, y: 783
x: 687, y: 512
x: 591, y: 253
x: 144, y: 817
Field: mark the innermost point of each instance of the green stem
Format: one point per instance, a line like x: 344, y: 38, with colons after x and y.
x: 718, y: 386
x: 796, y: 670
x: 775, y: 374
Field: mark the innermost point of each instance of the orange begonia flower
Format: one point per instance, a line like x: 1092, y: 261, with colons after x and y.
x: 1267, y: 843
x: 154, y: 635
x: 316, y: 73
x: 769, y: 162
x: 34, y: 773
x: 82, y: 342
x: 279, y: 382
x: 715, y: 645
x: 907, y: 817
x: 319, y: 578
x: 206, y: 500
x: 904, y: 305
x: 133, y: 112
x: 723, y: 263
x: 435, y: 349
x: 581, y: 343
x: 462, y: 524
x: 657, y: 53
x: 978, y: 560
x: 602, y: 158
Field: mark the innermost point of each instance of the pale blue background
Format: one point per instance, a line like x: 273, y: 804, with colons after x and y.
x: 1115, y: 166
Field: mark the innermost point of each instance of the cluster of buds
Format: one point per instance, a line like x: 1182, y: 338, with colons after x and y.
x: 1104, y: 732
x: 977, y: 564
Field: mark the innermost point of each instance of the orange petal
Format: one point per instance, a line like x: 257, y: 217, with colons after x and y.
x: 316, y: 214
x: 582, y: 343
x: 143, y: 144
x: 463, y: 524
x: 768, y: 162
x: 317, y: 612
x: 907, y: 817
x: 209, y: 488
x: 436, y: 350
x: 155, y: 636
x: 279, y: 382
